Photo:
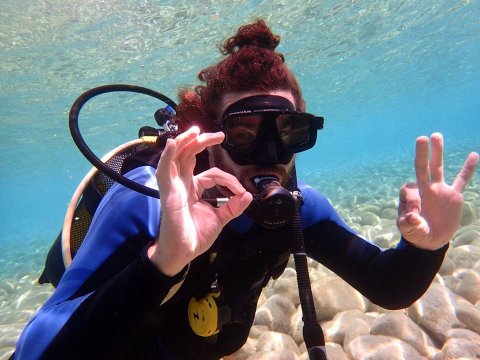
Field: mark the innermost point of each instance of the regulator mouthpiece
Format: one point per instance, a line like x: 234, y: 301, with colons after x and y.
x: 273, y: 206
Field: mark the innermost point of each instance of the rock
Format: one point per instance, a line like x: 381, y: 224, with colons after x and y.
x: 474, y: 226
x: 466, y: 238
x: 257, y: 330
x: 332, y: 295
x: 384, y: 240
x: 381, y: 348
x: 367, y: 208
x: 459, y: 349
x: 371, y: 316
x: 400, y: 326
x: 374, y: 308
x: 468, y: 315
x: 275, y: 313
x: 451, y: 282
x: 335, y: 329
x: 273, y: 355
x: 389, y: 213
x: 371, y: 232
x: 262, y: 298
x: 296, y: 326
x: 369, y: 218
x: 464, y: 334
x: 358, y: 327
x: 289, y: 272
x: 469, y: 287
x: 287, y: 287
x: 5, y: 353
x: 335, y: 352
x: 275, y: 341
x: 468, y: 213
x: 434, y: 312
x: 448, y: 267
x: 470, y: 196
x: 464, y: 256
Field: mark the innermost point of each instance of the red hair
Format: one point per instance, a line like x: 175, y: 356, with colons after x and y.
x: 251, y: 63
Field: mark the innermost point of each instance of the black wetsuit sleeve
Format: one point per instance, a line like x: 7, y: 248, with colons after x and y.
x: 392, y: 278
x: 111, y: 319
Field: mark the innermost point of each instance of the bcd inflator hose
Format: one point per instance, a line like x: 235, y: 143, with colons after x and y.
x: 88, y: 153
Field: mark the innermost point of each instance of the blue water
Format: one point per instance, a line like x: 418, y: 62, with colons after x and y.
x: 380, y: 72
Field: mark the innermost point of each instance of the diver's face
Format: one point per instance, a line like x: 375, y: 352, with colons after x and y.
x: 220, y: 158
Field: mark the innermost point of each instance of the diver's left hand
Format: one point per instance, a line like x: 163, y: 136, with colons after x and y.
x: 430, y: 211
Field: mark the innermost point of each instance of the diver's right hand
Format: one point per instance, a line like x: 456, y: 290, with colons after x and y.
x: 189, y: 226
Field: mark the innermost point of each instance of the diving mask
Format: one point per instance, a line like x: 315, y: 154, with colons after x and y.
x: 266, y: 129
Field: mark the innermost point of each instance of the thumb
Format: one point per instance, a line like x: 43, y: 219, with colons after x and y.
x: 413, y: 218
x: 408, y: 222
x: 413, y: 226
x: 235, y: 206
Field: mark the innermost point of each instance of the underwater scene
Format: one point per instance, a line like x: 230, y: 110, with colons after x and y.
x: 381, y: 73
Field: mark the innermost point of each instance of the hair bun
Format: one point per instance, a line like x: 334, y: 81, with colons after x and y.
x: 254, y: 34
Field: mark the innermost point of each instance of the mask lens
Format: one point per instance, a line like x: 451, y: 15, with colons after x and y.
x: 242, y: 131
x: 294, y: 130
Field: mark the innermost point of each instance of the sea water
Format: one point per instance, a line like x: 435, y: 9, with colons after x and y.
x: 381, y: 73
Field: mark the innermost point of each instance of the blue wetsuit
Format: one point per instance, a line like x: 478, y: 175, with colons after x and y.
x: 107, y: 305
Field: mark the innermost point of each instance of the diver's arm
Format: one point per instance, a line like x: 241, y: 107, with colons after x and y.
x: 429, y: 215
x: 109, y: 272
x: 392, y: 278
x: 103, y: 323
x: 111, y: 319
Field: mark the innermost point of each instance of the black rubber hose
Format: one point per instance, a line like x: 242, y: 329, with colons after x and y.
x: 83, y: 147
x: 312, y: 332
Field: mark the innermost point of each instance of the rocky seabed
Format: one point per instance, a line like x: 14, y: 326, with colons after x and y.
x: 443, y: 324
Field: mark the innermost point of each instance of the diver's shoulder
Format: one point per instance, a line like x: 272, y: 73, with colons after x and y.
x: 308, y: 191
x: 127, y: 200
x: 315, y: 204
x: 144, y: 175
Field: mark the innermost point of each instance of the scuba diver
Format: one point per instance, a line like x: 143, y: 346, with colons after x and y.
x: 149, y: 271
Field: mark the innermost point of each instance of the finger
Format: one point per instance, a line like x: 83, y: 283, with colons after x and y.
x: 234, y: 207
x: 167, y: 172
x: 410, y: 200
x: 187, y: 166
x: 466, y: 173
x: 201, y: 142
x: 187, y: 156
x: 421, y: 161
x: 165, y: 167
x: 215, y: 176
x: 186, y: 137
x: 414, y: 219
x: 436, y: 158
x: 413, y: 227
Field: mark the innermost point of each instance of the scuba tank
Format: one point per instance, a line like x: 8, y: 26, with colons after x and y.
x: 101, y: 177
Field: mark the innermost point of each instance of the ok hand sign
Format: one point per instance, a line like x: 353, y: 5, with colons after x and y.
x: 430, y: 211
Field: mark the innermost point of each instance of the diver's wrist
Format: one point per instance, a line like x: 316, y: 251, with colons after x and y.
x: 164, y: 262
